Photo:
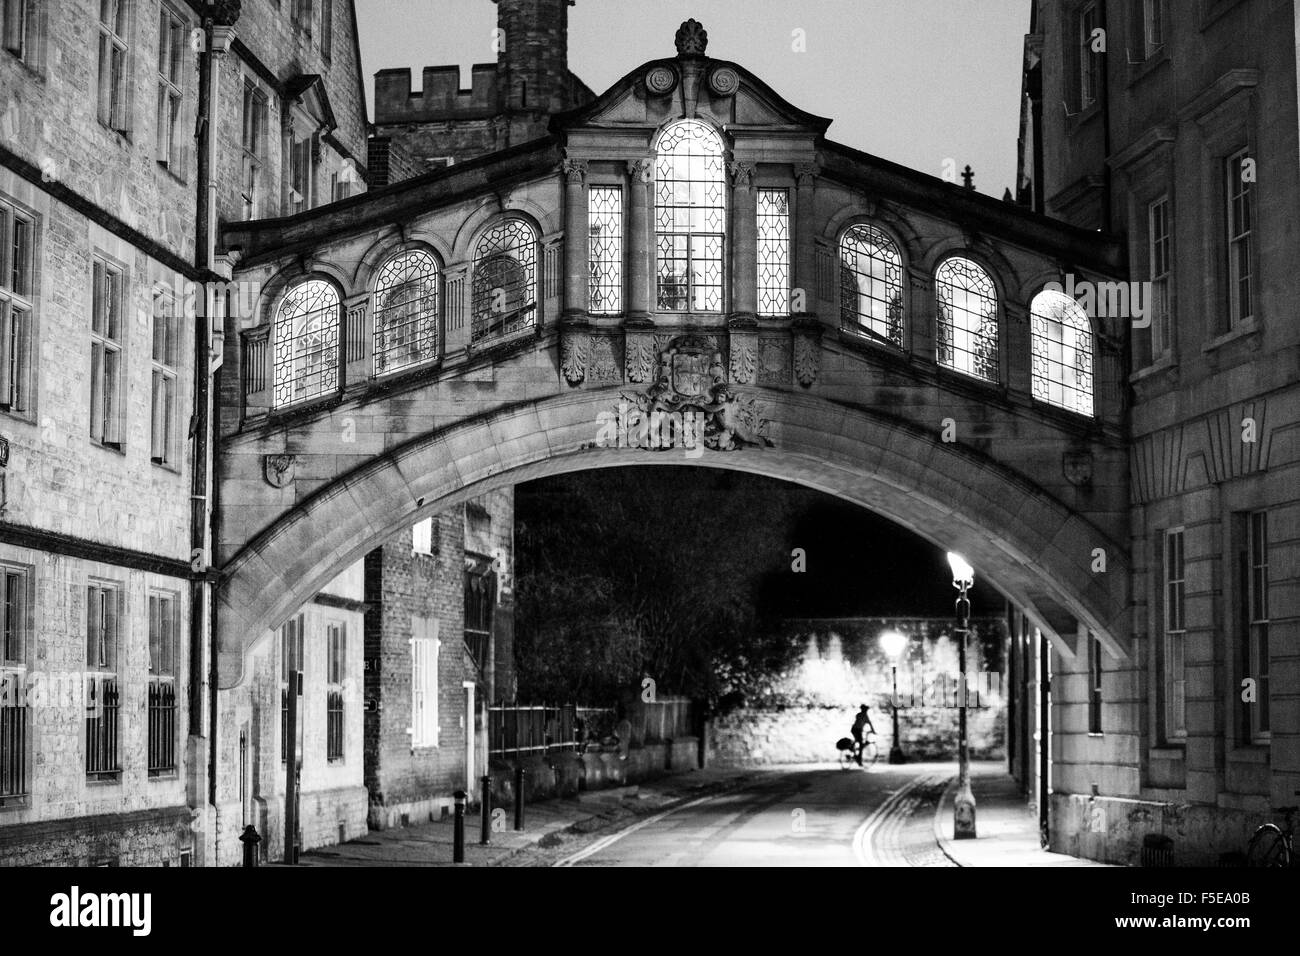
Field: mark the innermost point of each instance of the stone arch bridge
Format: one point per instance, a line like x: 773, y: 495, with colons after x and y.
x: 773, y: 351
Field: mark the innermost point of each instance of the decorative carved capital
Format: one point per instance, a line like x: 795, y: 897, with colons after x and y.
x: 641, y: 170
x: 575, y: 170
x: 278, y: 469
x: 575, y: 344
x: 692, y: 39
x: 806, y: 174
x: 742, y: 174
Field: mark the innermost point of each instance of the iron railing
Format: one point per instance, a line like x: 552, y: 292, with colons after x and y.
x: 162, y: 727
x: 101, y: 728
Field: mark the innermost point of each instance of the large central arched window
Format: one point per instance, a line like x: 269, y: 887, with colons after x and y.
x: 967, y: 327
x: 406, y: 312
x: 1061, y: 337
x: 690, y: 218
x: 505, y: 281
x: 871, y: 284
x: 305, y: 341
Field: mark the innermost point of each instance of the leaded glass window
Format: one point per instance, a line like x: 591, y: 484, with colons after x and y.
x: 305, y: 360
x: 690, y: 218
x: 773, y: 252
x: 968, y: 318
x: 505, y: 281
x: 406, y: 312
x: 605, y: 236
x: 1061, y: 339
x: 871, y: 284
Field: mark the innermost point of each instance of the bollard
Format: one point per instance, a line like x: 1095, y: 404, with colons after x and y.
x: 458, y: 844
x: 250, y: 839
x: 519, y: 796
x: 485, y: 831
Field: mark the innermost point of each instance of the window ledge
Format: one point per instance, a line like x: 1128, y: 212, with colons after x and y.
x: 1246, y: 330
x: 1168, y: 752
x: 116, y: 450
x: 1249, y: 753
x: 1164, y: 365
x: 164, y: 775
x: 1085, y: 115
x: 1143, y: 68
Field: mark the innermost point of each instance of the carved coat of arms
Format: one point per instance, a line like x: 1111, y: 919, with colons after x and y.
x: 689, y: 392
x: 278, y: 469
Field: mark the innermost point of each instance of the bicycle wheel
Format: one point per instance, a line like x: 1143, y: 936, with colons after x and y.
x: 1268, y: 848
x: 869, y: 753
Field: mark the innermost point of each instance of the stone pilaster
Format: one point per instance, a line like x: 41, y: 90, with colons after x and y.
x: 640, y: 259
x: 575, y: 238
x: 744, y: 244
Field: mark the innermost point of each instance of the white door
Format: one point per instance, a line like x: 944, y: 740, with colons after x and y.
x: 471, y: 735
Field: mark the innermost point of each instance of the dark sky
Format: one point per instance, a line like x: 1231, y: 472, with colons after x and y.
x: 859, y: 564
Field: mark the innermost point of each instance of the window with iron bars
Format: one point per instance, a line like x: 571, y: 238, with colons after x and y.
x: 967, y: 328
x: 291, y: 648
x: 15, y: 637
x: 102, y: 696
x: 336, y: 652
x: 504, y: 295
x: 480, y: 597
x: 163, y: 625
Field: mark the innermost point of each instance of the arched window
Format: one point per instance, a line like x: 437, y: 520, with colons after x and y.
x: 871, y: 284
x: 505, y: 281
x: 968, y: 318
x: 406, y: 312
x: 305, y: 343
x: 1061, y: 338
x: 690, y: 218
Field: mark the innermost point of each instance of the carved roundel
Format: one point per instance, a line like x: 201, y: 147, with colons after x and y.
x: 660, y: 79
x: 724, y: 81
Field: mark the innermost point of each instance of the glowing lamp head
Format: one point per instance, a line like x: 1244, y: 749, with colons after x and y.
x: 893, y: 642
x: 963, y: 575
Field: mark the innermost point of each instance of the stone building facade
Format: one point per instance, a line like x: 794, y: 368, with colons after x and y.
x: 108, y: 209
x: 1180, y: 131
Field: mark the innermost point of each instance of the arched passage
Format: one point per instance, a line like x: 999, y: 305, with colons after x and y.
x: 1033, y: 548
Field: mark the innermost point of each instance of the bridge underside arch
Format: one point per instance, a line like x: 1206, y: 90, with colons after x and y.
x: 1035, y: 550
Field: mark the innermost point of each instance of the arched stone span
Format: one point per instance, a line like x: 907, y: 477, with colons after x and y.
x: 1032, y: 547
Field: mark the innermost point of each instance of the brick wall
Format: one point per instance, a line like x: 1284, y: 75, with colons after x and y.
x: 404, y: 780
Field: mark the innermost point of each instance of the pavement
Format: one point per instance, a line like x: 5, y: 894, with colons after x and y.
x: 548, y: 824
x: 1006, y: 826
x: 807, y: 815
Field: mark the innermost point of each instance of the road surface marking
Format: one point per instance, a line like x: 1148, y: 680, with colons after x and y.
x: 604, y: 842
x: 862, y: 848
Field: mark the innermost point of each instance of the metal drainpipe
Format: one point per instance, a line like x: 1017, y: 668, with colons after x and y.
x: 1106, y: 215
x: 198, y: 478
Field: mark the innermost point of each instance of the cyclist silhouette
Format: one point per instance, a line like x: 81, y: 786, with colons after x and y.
x: 861, y: 721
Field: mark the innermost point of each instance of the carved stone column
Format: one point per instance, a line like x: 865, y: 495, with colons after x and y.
x: 575, y: 238
x: 744, y: 244
x: 1016, y: 350
x: 805, y: 237
x: 357, y: 340
x: 640, y: 261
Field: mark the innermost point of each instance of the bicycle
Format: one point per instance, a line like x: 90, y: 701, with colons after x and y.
x: 1272, y: 845
x: 850, y: 751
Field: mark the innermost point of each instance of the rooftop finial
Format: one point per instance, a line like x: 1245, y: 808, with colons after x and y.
x: 968, y: 177
x: 692, y: 38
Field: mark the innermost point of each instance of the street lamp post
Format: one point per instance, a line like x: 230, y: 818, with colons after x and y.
x: 963, y: 808
x: 893, y: 643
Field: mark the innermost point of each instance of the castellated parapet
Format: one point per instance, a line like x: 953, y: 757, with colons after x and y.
x: 440, y: 98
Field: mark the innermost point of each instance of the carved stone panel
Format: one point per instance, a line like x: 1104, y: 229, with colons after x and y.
x: 603, y: 367
x: 744, y: 358
x: 574, y: 346
x: 639, y: 350
x: 774, y: 361
x: 278, y: 469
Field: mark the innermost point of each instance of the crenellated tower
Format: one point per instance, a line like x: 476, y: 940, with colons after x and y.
x: 504, y: 103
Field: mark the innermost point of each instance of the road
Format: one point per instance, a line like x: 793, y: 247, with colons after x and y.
x: 804, y: 816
